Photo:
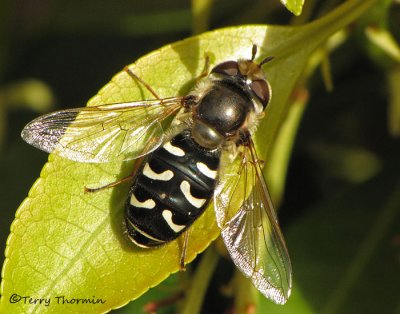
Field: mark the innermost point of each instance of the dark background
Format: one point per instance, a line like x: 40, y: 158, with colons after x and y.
x: 340, y: 214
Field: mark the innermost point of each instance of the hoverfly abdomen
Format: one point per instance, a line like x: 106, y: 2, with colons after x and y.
x: 173, y: 189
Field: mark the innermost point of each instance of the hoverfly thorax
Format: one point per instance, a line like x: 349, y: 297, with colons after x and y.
x: 238, y: 90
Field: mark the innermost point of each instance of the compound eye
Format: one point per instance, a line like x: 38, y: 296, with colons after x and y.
x: 230, y: 68
x: 262, y: 90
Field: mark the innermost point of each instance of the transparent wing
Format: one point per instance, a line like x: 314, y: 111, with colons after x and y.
x: 103, y: 133
x: 249, y: 226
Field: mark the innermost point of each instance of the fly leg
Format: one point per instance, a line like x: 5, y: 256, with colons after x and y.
x: 136, y: 168
x: 203, y: 74
x: 110, y: 185
x: 129, y: 178
x: 184, y: 250
x: 206, y: 68
x: 147, y: 86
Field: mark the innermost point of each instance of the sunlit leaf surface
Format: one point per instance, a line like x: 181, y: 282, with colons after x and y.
x: 65, y: 243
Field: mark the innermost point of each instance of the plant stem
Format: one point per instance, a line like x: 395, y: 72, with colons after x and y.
x: 200, y: 282
x: 201, y: 15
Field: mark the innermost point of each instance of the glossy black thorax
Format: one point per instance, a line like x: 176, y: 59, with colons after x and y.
x: 224, y: 107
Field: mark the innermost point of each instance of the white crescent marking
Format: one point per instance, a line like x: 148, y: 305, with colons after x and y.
x: 146, y: 204
x: 167, y: 214
x: 176, y: 151
x: 164, y: 176
x: 196, y: 202
x: 206, y: 171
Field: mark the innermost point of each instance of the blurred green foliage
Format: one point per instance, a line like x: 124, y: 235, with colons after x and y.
x: 341, y: 209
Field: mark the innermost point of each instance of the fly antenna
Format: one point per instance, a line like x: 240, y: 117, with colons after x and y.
x: 267, y: 59
x: 253, y: 52
x: 253, y: 56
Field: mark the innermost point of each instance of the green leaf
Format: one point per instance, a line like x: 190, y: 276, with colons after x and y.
x: 170, y: 289
x: 294, y: 6
x: 64, y: 242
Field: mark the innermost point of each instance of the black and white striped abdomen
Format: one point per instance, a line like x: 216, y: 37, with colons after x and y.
x: 174, y: 187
